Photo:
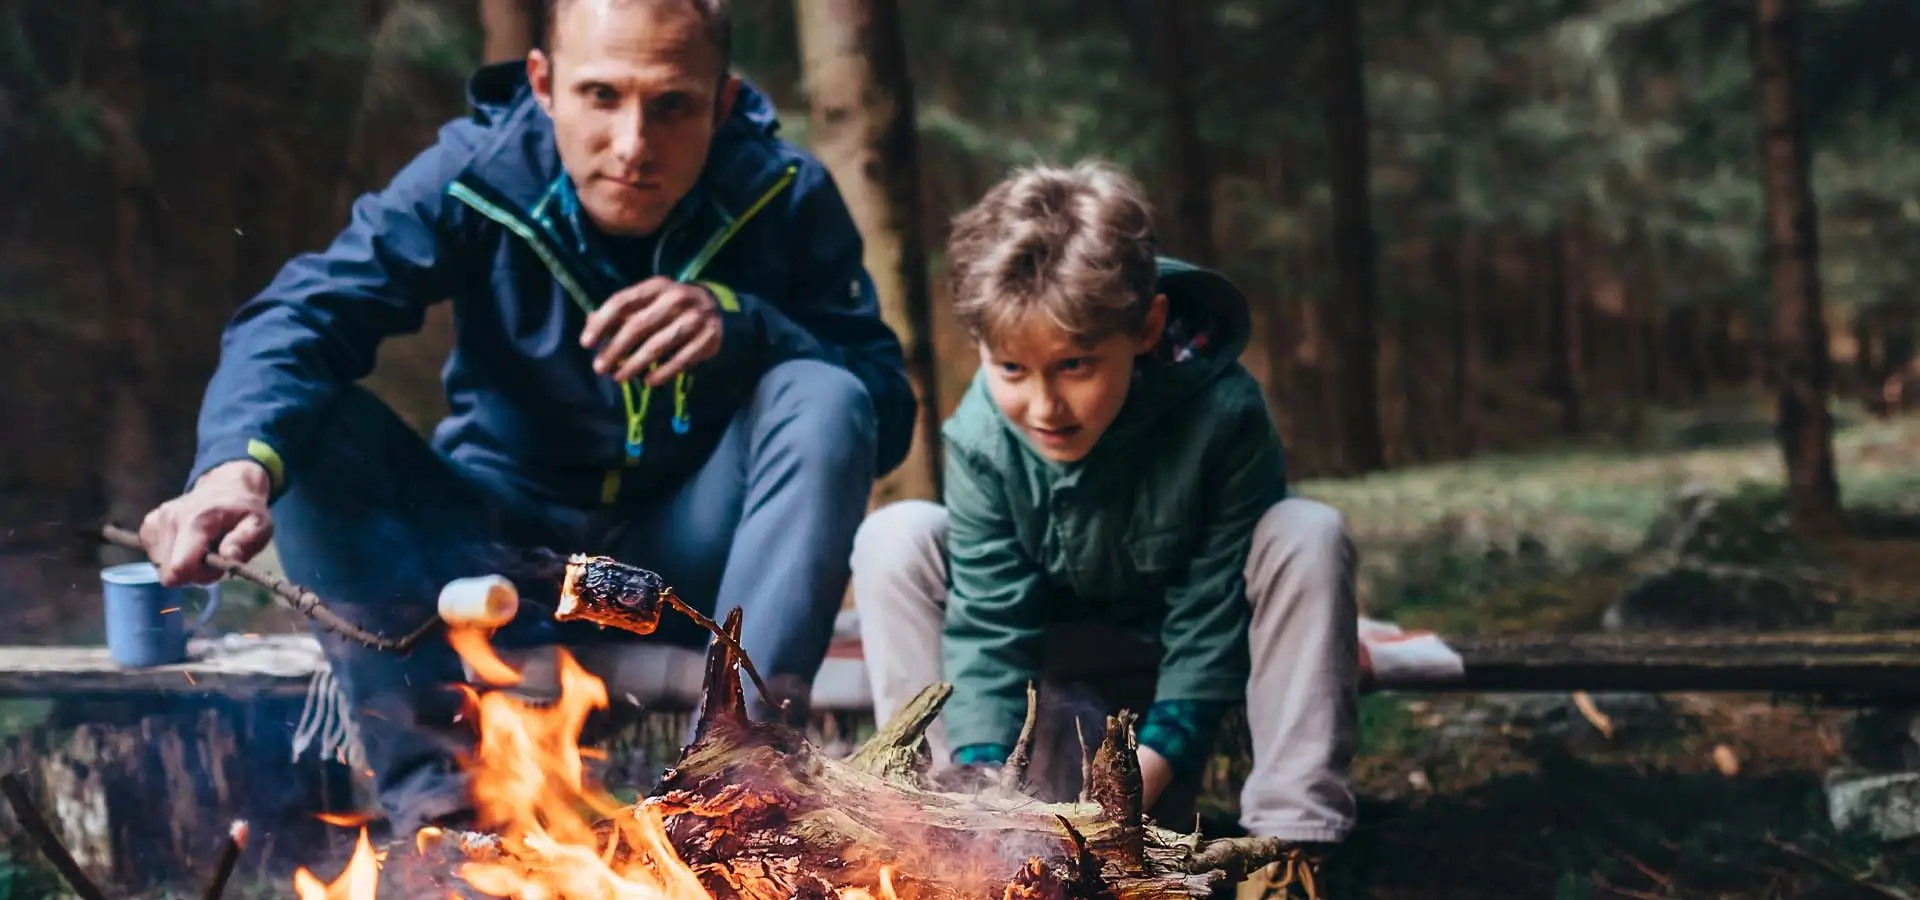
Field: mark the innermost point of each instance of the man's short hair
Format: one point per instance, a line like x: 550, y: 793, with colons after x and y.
x: 715, y: 15
x: 1075, y: 246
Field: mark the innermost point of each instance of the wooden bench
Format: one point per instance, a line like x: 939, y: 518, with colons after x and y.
x: 280, y: 666
x: 177, y: 751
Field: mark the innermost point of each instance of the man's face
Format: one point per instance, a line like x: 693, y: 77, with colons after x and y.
x: 1061, y: 394
x: 635, y: 91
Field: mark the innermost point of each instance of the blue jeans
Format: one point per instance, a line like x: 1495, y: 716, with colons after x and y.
x: 375, y: 521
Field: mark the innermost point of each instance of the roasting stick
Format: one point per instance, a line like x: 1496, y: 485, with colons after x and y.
x: 720, y: 634
x: 613, y: 594
x: 295, y: 597
x: 229, y: 857
x: 35, y: 825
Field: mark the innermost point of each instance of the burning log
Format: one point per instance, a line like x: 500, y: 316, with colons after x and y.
x: 758, y: 811
x: 754, y: 811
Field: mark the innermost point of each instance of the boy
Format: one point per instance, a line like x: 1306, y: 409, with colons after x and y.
x: 1116, y: 503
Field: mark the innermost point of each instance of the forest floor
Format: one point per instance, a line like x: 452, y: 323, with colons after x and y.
x: 1519, y: 796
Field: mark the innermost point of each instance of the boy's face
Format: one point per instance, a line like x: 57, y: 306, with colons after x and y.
x: 1063, y: 395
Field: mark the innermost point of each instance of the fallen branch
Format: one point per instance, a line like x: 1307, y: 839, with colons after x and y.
x: 1013, y: 777
x: 1859, y: 879
x: 42, y: 833
x: 229, y: 857
x: 297, y: 598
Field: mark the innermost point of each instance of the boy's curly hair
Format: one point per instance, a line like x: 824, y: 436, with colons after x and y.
x: 1073, y: 244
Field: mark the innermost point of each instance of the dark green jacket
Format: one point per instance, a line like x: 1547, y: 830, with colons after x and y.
x: 1151, y: 528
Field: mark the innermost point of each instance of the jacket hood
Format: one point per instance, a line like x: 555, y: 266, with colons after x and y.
x: 1208, y: 326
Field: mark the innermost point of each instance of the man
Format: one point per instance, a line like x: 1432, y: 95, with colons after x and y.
x: 666, y: 348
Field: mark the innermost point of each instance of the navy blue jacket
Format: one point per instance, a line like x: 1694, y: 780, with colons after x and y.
x: 481, y: 219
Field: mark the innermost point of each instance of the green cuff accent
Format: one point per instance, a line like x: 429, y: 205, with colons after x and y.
x: 729, y: 301
x: 982, y: 755
x: 1183, y: 731
x: 266, y: 456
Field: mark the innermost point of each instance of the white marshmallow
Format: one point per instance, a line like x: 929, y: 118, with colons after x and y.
x: 485, y: 601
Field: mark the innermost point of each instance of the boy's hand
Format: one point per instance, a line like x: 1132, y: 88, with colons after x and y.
x: 1155, y: 774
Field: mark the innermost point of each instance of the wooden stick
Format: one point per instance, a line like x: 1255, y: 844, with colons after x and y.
x: 731, y: 640
x: 1863, y: 881
x: 295, y: 597
x: 1014, y: 775
x: 42, y: 833
x: 229, y: 857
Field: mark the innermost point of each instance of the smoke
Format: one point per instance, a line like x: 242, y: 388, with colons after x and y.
x: 525, y: 566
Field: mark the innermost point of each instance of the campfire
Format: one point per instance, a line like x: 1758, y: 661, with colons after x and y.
x: 754, y: 811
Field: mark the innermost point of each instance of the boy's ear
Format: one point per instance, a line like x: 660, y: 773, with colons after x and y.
x: 1154, y: 327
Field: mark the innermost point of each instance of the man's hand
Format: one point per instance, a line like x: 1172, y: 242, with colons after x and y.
x: 228, y: 505
x: 1155, y: 774
x: 658, y: 316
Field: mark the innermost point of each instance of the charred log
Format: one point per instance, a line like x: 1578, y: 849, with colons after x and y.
x: 754, y: 811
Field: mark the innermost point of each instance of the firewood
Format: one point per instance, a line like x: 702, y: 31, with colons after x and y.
x: 230, y: 851
x: 755, y: 811
x: 894, y: 750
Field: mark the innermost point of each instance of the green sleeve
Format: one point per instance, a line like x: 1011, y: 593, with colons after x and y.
x: 1205, y: 632
x: 996, y: 614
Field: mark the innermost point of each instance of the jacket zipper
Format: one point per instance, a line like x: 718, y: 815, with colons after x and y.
x: 636, y: 409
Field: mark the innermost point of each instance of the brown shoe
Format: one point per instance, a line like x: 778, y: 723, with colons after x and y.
x: 1295, y: 876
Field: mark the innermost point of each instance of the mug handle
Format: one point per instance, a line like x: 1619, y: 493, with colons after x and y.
x: 206, y: 613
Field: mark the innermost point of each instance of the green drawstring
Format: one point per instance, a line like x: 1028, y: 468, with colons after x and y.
x: 636, y: 418
x: 682, y: 387
x: 683, y: 383
x: 637, y: 412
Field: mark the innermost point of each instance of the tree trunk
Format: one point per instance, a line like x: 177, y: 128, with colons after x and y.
x: 1800, y: 330
x: 1564, y: 332
x: 863, y: 128
x: 193, y: 765
x: 134, y: 483
x: 1188, y: 157
x: 1461, y: 265
x: 512, y: 28
x: 1353, y: 241
x: 1687, y: 351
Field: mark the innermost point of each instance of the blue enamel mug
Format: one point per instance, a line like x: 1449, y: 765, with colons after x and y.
x: 147, y: 622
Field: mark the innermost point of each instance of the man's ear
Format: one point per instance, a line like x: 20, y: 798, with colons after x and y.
x: 540, y: 77
x: 1155, y: 325
x: 729, y: 92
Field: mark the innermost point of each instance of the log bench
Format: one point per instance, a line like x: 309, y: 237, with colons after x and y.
x: 142, y: 769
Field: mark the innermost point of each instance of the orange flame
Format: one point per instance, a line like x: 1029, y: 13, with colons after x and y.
x: 359, y: 881
x: 529, y: 788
